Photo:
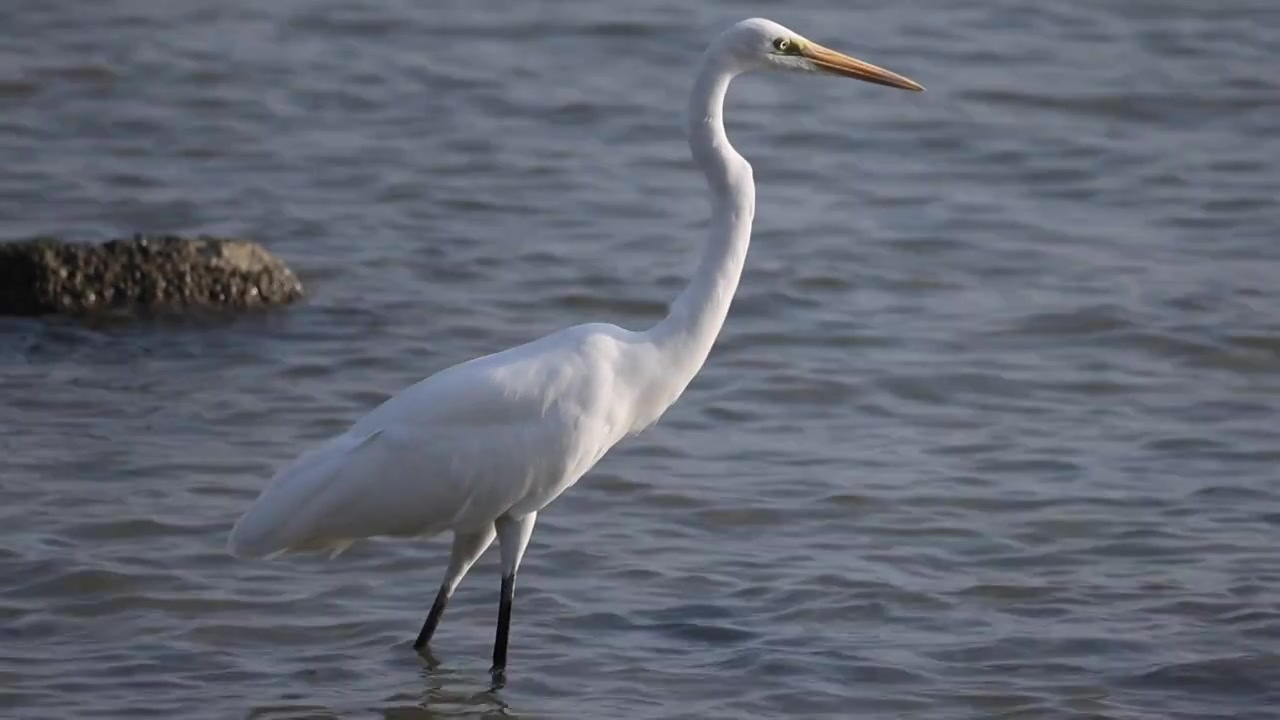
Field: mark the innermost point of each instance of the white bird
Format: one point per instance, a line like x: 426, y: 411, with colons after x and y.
x: 482, y: 447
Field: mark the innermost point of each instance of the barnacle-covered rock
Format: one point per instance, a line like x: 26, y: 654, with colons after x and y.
x: 145, y: 273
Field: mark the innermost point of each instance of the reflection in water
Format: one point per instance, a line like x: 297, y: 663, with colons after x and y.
x: 445, y: 693
x: 433, y: 691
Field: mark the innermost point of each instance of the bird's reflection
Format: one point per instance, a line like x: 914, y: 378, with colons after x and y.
x: 451, y: 692
x: 428, y: 657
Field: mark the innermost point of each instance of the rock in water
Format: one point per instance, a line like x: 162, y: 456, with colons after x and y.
x: 145, y: 273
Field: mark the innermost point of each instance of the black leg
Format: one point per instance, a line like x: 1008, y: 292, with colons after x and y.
x: 504, y: 624
x: 433, y: 619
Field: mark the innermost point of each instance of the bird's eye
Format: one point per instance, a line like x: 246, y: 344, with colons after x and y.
x: 782, y: 44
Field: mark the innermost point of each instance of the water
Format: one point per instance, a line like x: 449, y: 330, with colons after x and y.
x: 992, y: 431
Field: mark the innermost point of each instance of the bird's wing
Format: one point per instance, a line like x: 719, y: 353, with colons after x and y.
x: 453, y: 451
x: 284, y: 515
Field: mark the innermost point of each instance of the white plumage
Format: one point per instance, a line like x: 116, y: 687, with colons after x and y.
x: 505, y: 433
x: 481, y: 447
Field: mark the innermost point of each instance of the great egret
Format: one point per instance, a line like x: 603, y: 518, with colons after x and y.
x: 481, y: 447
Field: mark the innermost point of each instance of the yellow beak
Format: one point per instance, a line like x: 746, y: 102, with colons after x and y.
x: 841, y: 64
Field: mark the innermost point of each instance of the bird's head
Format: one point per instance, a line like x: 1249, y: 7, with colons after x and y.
x: 763, y: 44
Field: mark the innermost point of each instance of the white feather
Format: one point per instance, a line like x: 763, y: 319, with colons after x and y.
x: 506, y: 433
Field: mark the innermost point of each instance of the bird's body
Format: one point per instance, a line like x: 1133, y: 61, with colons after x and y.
x: 504, y: 433
x: 481, y: 447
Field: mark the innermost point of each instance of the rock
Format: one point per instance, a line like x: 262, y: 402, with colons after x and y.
x: 146, y: 273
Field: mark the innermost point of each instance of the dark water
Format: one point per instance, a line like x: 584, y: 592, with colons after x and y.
x: 993, y: 430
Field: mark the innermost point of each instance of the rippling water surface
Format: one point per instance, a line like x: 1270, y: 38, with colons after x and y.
x: 992, y: 431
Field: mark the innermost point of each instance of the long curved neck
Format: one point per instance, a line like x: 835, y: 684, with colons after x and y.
x: 684, y: 338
